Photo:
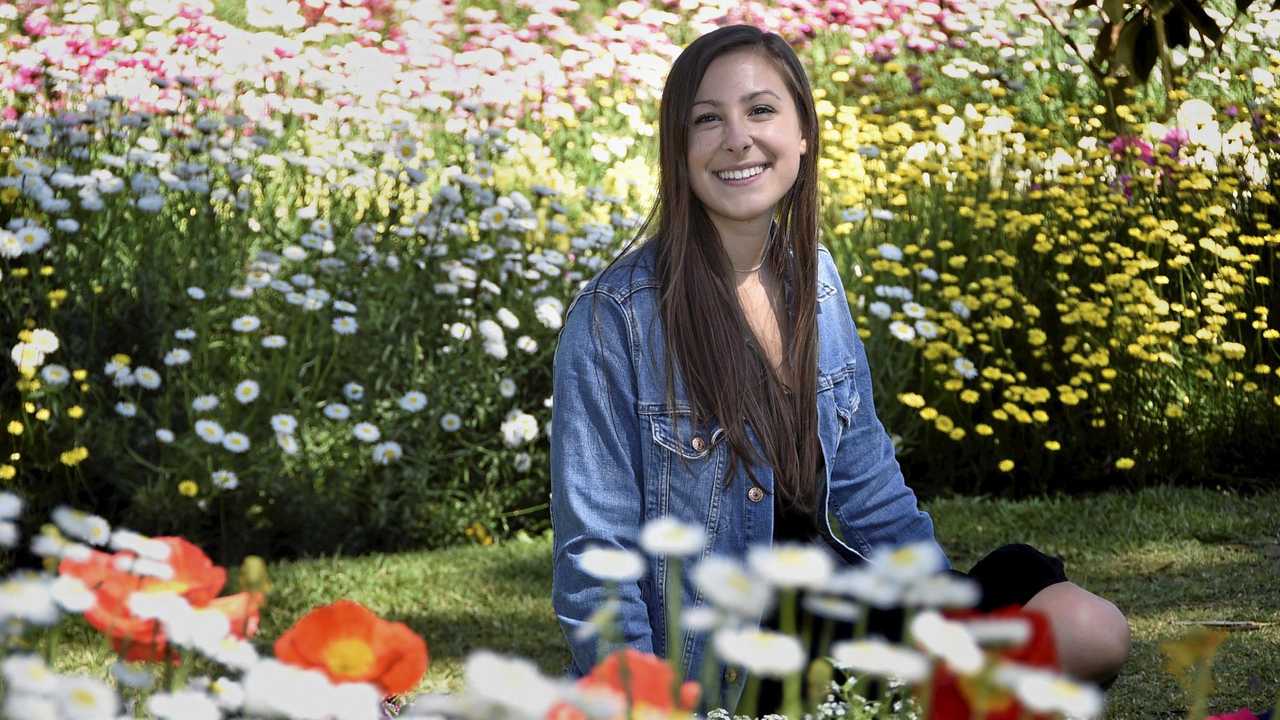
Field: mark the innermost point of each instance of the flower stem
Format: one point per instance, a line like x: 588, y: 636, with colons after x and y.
x: 750, y: 696
x: 791, y: 683
x: 675, y: 633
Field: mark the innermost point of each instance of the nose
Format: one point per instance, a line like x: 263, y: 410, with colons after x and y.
x: 735, y: 136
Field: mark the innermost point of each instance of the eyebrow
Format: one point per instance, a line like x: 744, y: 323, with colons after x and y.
x: 744, y: 98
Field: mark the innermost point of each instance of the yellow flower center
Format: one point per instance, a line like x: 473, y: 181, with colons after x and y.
x: 177, y: 587
x: 83, y: 698
x: 349, y: 657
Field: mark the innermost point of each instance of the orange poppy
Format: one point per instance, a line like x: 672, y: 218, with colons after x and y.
x: 195, y: 578
x: 650, y: 678
x: 351, y: 644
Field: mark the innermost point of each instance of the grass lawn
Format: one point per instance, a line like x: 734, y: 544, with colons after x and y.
x: 1165, y: 556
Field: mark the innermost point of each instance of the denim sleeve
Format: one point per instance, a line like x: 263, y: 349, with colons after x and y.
x: 871, y: 499
x: 596, y: 473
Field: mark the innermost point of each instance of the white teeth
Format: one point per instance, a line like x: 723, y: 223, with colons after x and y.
x: 741, y: 174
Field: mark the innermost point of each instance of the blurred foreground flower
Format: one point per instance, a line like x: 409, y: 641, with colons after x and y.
x: 351, y: 644
x: 187, y: 574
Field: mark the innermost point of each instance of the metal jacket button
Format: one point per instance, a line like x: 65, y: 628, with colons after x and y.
x: 731, y: 675
x: 698, y: 444
x: 755, y: 494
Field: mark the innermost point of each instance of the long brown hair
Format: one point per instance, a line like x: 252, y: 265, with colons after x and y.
x: 706, y: 332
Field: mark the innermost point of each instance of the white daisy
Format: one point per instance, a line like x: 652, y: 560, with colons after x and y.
x: 288, y: 443
x: 727, y: 584
x: 225, y: 480
x: 246, y: 323
x: 947, y: 641
x: 195, y: 293
x: 204, y: 403
x: 1044, y: 692
x: 284, y: 423
x: 507, y: 388
x: 880, y: 309
x: 28, y: 674
x: 82, y: 525
x: 668, y: 536
x: 10, y: 506
x: 337, y: 411
x: 927, y: 329
x: 965, y: 367
x: 26, y: 355
x: 913, y: 310
x: 126, y: 409
x: 761, y: 652
x: 353, y: 391
x: 366, y: 432
x: 613, y: 564
x: 450, y: 422
x: 55, y: 375
x: 524, y: 343
x: 84, y: 698
x: 273, y: 342
x: 44, y: 340
x: 413, y: 401
x: 184, y: 333
x: 889, y: 251
x: 385, y: 453
x: 146, y: 377
x: 508, y: 319
x: 164, y: 435
x: 236, y: 442
x: 247, y: 391
x: 343, y: 306
x: 345, y: 325
x: 791, y: 565
x: 881, y: 659
x: 907, y: 563
x: 902, y: 331
x: 177, y: 356
x: 209, y: 431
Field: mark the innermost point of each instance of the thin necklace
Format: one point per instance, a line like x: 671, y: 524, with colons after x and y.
x: 763, y: 256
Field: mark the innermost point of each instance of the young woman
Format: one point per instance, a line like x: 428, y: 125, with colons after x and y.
x: 714, y: 374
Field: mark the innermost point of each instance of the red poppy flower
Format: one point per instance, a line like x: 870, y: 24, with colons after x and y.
x: 351, y: 644
x: 194, y: 577
x: 650, y: 678
x: 952, y: 694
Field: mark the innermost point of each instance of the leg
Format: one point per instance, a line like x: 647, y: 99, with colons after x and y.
x: 1092, y: 635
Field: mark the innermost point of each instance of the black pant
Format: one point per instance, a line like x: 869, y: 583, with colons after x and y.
x: 1009, y: 575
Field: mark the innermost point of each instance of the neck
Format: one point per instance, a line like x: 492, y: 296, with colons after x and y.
x: 745, y: 243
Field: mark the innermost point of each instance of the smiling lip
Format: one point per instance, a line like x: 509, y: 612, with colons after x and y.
x: 742, y: 183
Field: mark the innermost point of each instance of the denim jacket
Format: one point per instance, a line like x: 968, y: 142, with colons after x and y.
x: 618, y: 461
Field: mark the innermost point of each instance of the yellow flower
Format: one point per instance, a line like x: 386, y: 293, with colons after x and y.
x: 15, y: 427
x: 74, y: 456
x: 911, y: 400
x: 7, y: 472
x: 188, y: 488
x: 1052, y: 445
x: 1124, y: 463
x: 969, y: 396
x: 983, y: 429
x: 1005, y: 465
x: 75, y: 412
x: 79, y: 375
x: 957, y: 434
x: 928, y: 414
x: 1173, y: 410
x: 42, y: 414
x: 944, y: 423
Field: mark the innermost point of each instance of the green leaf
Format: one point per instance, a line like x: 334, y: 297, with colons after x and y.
x: 1144, y: 51
x: 1114, y: 10
x: 1201, y: 20
x: 1177, y: 31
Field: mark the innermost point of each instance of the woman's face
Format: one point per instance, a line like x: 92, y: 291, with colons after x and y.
x: 743, y: 115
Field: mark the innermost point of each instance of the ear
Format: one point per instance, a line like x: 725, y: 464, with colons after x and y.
x: 804, y: 145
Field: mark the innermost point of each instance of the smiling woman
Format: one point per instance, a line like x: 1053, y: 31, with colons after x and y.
x: 714, y: 376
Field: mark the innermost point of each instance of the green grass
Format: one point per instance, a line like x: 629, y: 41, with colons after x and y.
x: 1164, y: 556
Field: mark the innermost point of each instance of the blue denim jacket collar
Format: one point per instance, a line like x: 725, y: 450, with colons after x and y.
x: 620, y: 457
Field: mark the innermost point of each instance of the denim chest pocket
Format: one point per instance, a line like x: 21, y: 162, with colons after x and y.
x: 687, y: 462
